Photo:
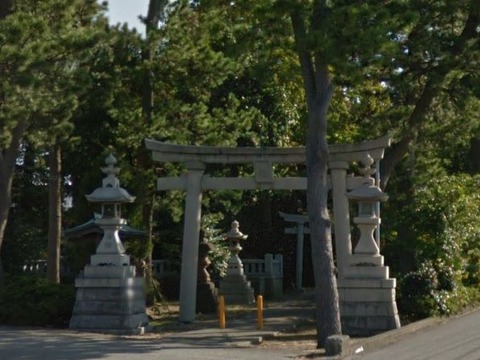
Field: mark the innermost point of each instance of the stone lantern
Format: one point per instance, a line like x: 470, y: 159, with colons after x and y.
x: 367, y: 293
x: 235, y: 287
x: 367, y: 195
x: 110, y: 196
x: 110, y: 298
x: 367, y: 220
x: 234, y: 237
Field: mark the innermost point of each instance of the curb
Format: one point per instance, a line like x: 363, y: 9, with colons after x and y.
x: 360, y: 345
x: 355, y: 346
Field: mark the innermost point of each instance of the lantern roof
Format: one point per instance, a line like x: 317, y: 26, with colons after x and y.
x: 90, y: 227
x: 110, y: 192
x: 234, y: 233
x: 367, y: 193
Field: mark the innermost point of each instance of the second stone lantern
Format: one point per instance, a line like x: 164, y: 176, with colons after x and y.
x: 235, y: 287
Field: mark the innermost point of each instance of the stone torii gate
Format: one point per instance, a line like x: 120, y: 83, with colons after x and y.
x: 195, y: 181
x: 300, y: 229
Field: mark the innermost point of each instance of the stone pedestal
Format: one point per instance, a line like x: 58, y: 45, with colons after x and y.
x: 367, y: 300
x: 110, y: 299
x: 207, y: 300
x: 237, y: 290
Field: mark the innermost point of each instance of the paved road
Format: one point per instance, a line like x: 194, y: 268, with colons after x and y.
x: 40, y: 344
x: 456, y: 339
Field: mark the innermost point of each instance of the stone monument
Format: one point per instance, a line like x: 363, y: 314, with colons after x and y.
x: 207, y: 299
x: 234, y: 286
x: 110, y: 298
x: 367, y: 293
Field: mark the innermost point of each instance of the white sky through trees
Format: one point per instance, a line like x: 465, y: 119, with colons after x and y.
x: 121, y: 11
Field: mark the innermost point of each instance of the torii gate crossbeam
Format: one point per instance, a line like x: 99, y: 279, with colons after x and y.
x: 195, y: 181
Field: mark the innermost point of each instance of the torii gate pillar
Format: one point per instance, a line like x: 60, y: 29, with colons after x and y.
x: 191, y: 238
x: 338, y: 170
x: 300, y: 230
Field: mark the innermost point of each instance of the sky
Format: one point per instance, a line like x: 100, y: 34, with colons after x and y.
x: 121, y: 11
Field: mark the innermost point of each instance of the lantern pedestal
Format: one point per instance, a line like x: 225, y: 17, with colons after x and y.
x: 110, y: 298
x: 366, y: 293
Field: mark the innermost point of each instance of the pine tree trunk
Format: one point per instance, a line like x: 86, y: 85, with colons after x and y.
x: 154, y: 15
x: 326, y: 293
x: 318, y: 90
x: 148, y: 220
x: 54, y: 213
x: 8, y: 157
x: 474, y: 154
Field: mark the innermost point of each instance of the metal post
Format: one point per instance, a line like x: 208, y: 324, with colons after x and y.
x: 221, y: 312
x: 299, y: 267
x: 259, y: 312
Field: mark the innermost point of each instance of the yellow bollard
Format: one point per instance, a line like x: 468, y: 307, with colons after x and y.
x: 259, y: 312
x: 221, y: 312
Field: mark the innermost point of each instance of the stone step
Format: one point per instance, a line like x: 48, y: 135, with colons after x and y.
x: 93, y: 307
x: 108, y: 322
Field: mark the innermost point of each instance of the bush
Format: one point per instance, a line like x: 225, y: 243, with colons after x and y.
x: 35, y: 301
x: 420, y: 294
x: 437, y: 249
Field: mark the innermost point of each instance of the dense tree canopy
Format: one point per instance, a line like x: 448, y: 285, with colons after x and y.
x: 245, y: 73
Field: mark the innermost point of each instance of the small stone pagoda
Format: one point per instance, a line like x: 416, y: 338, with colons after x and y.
x: 234, y: 287
x: 110, y: 298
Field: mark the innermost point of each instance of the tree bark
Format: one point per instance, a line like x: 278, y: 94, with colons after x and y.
x: 318, y: 89
x: 326, y: 293
x: 474, y: 154
x: 154, y: 16
x: 5, y: 6
x: 8, y: 157
x: 54, y: 213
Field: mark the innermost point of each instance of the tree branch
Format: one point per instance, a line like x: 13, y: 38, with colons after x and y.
x: 430, y: 91
x: 306, y: 65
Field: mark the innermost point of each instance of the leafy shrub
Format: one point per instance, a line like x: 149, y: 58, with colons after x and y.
x: 444, y: 236
x: 421, y: 294
x: 31, y: 300
x: 220, y: 252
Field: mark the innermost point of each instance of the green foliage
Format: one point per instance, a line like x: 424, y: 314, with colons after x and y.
x: 44, y: 50
x: 442, y: 244
x: 220, y: 252
x: 446, y: 220
x: 431, y: 291
x: 422, y: 294
x: 31, y: 300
